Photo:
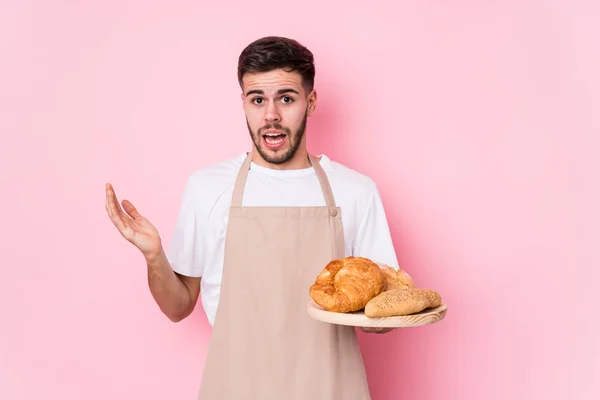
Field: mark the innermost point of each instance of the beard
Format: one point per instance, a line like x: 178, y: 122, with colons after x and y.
x: 283, y: 155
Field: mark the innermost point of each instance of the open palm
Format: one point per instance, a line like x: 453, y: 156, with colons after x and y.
x: 132, y: 226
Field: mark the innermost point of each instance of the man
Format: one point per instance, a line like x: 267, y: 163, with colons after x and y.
x: 252, y: 235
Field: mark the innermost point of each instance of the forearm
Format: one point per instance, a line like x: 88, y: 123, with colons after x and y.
x: 170, y: 293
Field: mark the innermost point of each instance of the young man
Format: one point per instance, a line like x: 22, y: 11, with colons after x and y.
x: 252, y: 235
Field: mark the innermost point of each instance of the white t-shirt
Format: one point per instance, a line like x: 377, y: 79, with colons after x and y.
x: 197, y: 245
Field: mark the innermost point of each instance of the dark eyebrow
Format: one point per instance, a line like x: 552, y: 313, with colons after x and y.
x: 281, y: 91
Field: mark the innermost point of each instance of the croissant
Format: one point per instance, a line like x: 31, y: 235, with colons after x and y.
x: 347, y: 284
x: 396, y: 279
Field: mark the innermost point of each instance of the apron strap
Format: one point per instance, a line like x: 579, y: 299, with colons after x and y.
x: 240, y: 182
x: 325, y: 186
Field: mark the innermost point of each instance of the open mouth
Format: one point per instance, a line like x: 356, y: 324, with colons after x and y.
x: 274, y: 140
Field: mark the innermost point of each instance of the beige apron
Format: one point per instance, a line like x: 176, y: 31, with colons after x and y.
x: 264, y: 345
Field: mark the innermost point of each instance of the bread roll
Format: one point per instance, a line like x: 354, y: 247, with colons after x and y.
x: 347, y: 284
x: 396, y: 279
x: 399, y: 302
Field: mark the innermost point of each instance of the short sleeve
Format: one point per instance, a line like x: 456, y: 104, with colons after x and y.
x: 184, y: 254
x: 373, y: 238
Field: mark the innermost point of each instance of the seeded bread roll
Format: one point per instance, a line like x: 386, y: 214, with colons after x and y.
x: 398, y: 302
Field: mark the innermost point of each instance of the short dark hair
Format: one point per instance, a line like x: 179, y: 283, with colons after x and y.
x: 275, y: 52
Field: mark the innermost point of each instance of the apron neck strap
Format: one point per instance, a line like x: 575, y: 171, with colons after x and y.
x: 325, y: 186
x: 240, y: 182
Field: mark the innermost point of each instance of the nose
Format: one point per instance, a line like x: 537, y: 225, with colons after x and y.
x: 272, y: 113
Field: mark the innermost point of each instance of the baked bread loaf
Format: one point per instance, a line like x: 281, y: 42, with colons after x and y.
x: 396, y: 279
x: 399, y: 302
x: 347, y: 284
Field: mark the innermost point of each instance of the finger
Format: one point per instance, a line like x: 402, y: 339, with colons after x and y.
x: 108, y: 200
x: 118, y: 218
x: 113, y: 203
x: 130, y: 209
x: 375, y: 330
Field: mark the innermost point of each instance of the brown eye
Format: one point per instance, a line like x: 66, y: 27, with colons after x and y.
x: 287, y: 99
x: 257, y: 99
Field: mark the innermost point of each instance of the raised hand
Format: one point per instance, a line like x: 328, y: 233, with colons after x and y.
x: 133, y: 226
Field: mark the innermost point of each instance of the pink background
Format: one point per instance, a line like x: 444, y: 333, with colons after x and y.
x: 478, y: 120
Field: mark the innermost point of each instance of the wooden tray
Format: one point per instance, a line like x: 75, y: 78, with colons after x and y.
x: 358, y: 318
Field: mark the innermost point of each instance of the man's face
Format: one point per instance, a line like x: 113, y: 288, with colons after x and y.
x: 276, y: 107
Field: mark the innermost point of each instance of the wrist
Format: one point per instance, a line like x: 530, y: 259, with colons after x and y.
x: 155, y: 257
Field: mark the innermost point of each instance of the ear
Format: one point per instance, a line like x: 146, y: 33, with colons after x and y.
x: 312, y: 102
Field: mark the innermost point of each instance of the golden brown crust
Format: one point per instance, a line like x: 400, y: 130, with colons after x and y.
x: 396, y: 279
x: 399, y: 302
x: 347, y: 284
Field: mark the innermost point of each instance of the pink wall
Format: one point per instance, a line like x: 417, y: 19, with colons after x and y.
x: 478, y: 120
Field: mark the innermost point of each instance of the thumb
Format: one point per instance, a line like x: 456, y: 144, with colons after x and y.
x: 130, y: 209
